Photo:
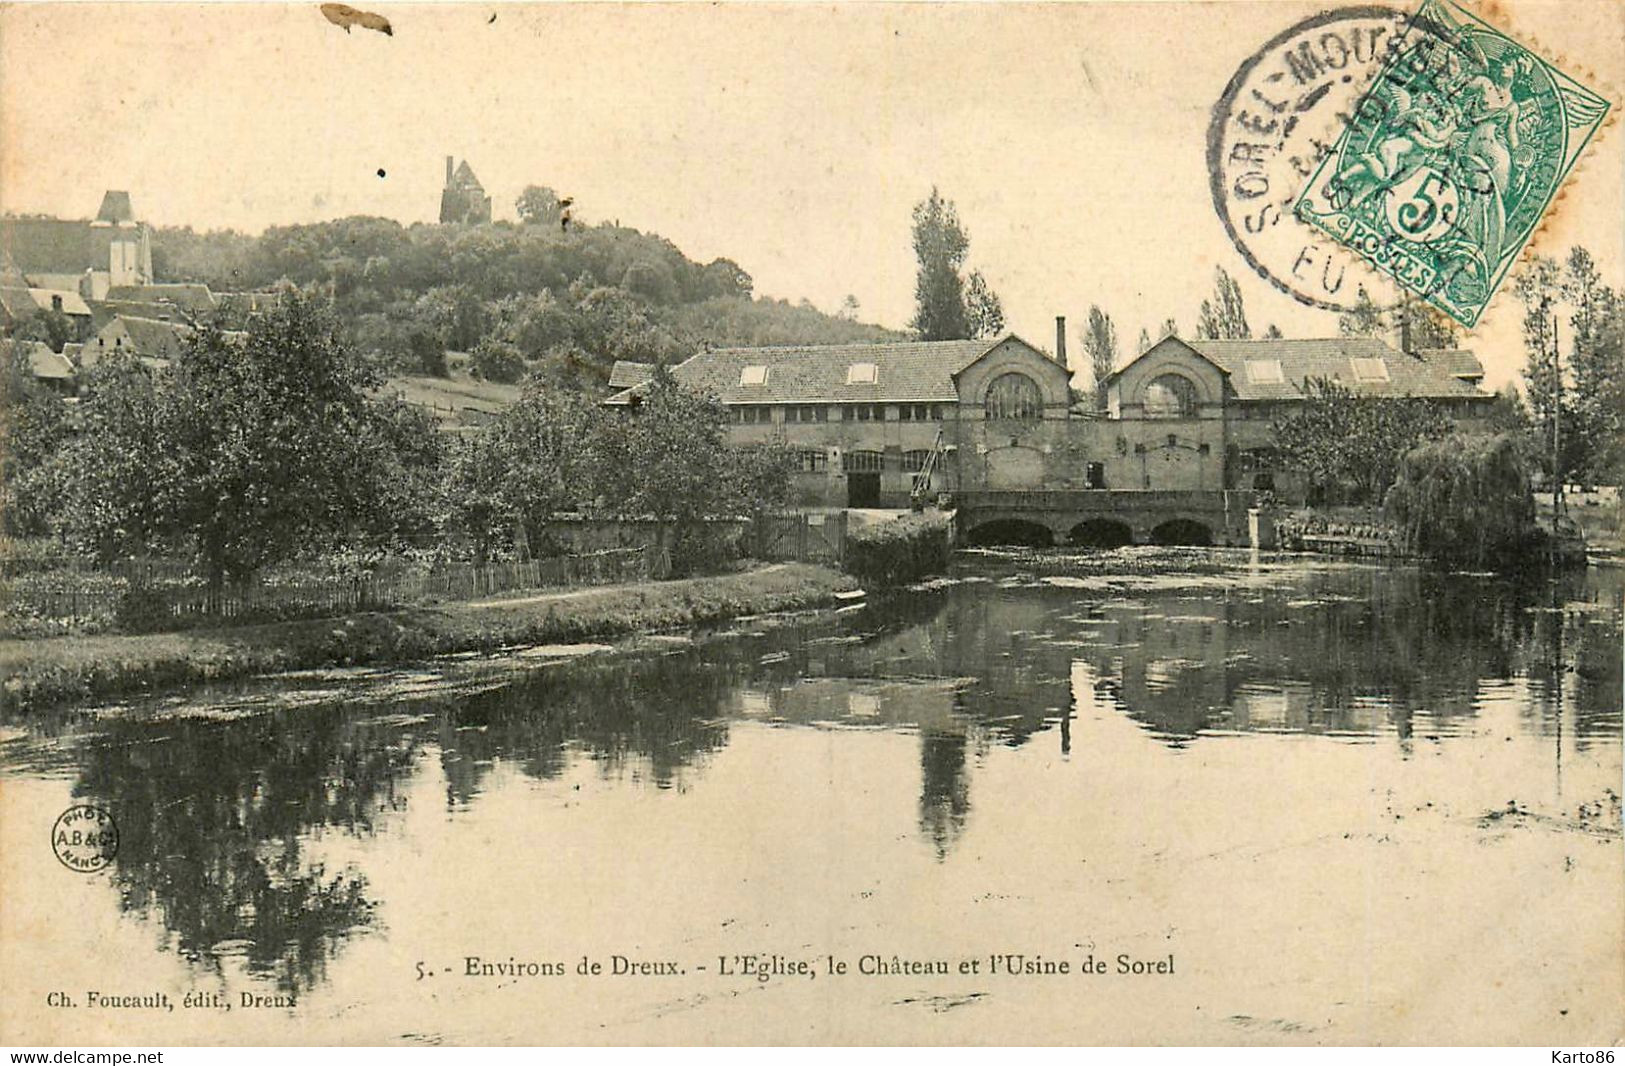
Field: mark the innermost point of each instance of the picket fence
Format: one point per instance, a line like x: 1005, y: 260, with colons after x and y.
x: 73, y: 595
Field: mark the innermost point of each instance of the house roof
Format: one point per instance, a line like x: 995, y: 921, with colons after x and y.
x: 72, y: 302
x: 116, y: 207
x: 248, y: 301
x: 1332, y: 358
x: 464, y: 177
x: 1456, y: 362
x: 625, y: 373
x: 908, y: 371
x: 42, y: 362
x: 48, y: 364
x: 20, y: 302
x: 48, y: 245
x: 191, y: 297
x: 152, y: 337
x: 17, y: 302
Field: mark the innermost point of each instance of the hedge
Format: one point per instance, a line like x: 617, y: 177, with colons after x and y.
x: 900, y: 551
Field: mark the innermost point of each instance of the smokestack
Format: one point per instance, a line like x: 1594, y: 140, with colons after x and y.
x: 448, y: 172
x: 1060, y: 340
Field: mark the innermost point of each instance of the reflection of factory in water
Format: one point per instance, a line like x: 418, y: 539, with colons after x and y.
x: 973, y: 669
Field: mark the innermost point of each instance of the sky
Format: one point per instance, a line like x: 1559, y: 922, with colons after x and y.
x: 793, y: 139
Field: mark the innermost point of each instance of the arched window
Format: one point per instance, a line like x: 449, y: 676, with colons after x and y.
x: 1014, y: 396
x: 862, y: 462
x: 1170, y: 396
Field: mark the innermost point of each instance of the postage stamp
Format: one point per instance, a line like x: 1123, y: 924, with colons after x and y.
x: 1451, y: 159
x: 1278, y: 117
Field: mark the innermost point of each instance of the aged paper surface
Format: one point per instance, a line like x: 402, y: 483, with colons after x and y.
x: 1301, y: 802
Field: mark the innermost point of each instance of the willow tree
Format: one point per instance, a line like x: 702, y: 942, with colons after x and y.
x: 1465, y: 500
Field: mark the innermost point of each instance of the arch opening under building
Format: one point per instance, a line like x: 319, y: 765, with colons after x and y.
x: 1100, y: 533
x: 1010, y: 532
x: 1186, y: 531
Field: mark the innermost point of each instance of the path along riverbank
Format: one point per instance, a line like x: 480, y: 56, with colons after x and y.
x: 41, y: 673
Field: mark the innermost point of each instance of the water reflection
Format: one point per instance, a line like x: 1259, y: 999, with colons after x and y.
x: 246, y: 836
x: 215, y: 821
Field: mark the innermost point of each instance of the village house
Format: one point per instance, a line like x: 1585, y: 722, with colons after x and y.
x: 152, y: 341
x: 85, y: 256
x: 999, y: 414
x: 52, y: 369
x: 625, y: 373
x: 18, y: 303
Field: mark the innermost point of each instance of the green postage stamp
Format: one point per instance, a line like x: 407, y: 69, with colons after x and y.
x: 1444, y: 170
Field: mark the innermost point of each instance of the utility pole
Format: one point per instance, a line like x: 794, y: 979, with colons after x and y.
x: 1557, y: 432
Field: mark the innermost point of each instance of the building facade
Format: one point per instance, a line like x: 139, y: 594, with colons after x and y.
x: 87, y: 257
x: 999, y: 415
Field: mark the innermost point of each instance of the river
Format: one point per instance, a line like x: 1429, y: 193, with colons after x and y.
x: 1339, y: 801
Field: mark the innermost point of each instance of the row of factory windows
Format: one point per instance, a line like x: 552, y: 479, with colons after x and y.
x: 861, y: 462
x: 762, y: 414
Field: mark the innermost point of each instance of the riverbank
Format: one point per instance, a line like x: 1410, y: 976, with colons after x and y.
x: 41, y: 673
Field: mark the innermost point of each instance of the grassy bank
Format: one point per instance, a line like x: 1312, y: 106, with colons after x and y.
x: 39, y: 673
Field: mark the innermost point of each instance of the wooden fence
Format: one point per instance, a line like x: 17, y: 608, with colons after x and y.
x: 809, y: 537
x: 73, y: 595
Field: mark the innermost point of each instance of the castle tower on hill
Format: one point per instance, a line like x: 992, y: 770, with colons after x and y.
x: 463, y: 200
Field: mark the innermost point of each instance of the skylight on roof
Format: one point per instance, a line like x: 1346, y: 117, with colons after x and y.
x: 862, y: 374
x: 753, y: 375
x: 1369, y: 369
x: 1265, y: 372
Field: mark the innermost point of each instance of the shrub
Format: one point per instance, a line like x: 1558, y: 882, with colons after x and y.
x: 143, y: 609
x: 900, y: 551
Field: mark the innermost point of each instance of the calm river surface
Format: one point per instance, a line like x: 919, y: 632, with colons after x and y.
x: 1351, y: 802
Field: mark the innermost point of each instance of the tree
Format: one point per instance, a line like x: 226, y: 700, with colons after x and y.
x: 268, y: 442
x: 51, y: 327
x: 457, y: 313
x: 406, y: 458
x: 984, y: 314
x: 34, y: 430
x: 497, y: 360
x: 1350, y: 446
x: 849, y: 308
x: 1273, y: 333
x: 1223, y: 317
x: 1465, y: 500
x: 1100, y: 342
x: 1421, y: 326
x: 1143, y: 345
x: 112, y: 470
x: 940, y: 244
x: 428, y: 353
x: 1597, y: 329
x: 947, y: 306
x: 1364, y: 319
x: 1537, y: 286
x: 1418, y: 325
x: 539, y: 206
x: 724, y: 277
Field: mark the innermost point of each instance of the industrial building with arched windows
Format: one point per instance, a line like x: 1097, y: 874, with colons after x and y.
x: 1000, y: 415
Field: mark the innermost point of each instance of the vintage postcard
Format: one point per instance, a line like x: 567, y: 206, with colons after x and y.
x: 858, y: 523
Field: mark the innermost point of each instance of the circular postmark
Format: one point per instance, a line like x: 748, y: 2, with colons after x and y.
x: 84, y: 838
x: 1278, y: 118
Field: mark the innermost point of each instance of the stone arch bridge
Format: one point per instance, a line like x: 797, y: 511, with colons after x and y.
x: 1103, y: 517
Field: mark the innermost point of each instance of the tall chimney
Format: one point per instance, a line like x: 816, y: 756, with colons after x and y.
x: 1060, y: 340
x: 448, y: 172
